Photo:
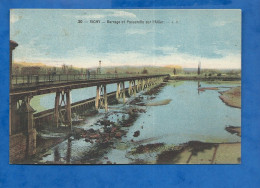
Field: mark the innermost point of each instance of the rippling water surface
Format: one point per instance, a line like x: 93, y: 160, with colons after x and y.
x: 190, y: 115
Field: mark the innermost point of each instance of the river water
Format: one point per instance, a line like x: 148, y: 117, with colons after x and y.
x: 190, y: 115
x: 45, y: 102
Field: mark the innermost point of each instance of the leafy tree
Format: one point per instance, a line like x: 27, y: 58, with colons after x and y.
x: 145, y: 71
x: 174, y: 71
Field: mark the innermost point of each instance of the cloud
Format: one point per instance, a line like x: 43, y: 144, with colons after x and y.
x: 90, y: 16
x: 83, y: 57
x: 108, y: 13
x: 167, y: 49
x: 232, y: 61
x: 138, y: 31
x: 120, y: 13
x: 31, y: 50
x: 80, y: 57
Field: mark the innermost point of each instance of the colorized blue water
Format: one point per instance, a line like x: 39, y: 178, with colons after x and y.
x: 44, y: 102
x: 189, y: 116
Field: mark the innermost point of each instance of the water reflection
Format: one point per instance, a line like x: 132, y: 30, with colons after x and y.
x: 199, y: 85
x: 68, y: 157
x: 56, y: 154
x: 44, y: 102
x: 175, y: 83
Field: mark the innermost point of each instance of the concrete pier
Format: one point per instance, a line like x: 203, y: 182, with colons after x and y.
x: 23, y: 132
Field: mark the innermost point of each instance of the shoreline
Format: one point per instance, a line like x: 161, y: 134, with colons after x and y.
x: 203, y: 78
x: 232, y: 97
x: 111, y: 139
x: 195, y: 152
x: 234, y: 130
x: 102, y: 140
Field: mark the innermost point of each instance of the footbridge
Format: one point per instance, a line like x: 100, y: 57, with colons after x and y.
x: 24, y: 87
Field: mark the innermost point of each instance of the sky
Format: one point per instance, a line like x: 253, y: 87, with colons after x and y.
x: 180, y: 37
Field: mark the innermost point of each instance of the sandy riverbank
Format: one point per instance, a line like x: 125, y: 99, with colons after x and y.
x: 234, y: 130
x: 193, y: 152
x: 232, y: 97
x: 196, y: 152
x: 107, y: 137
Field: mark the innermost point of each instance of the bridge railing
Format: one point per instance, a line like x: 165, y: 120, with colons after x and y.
x: 45, y: 79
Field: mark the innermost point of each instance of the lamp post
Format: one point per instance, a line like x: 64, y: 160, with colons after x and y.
x: 13, y: 45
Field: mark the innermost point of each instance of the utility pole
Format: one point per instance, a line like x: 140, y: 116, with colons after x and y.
x: 99, y: 68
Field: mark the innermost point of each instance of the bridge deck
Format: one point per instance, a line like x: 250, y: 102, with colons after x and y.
x: 39, y: 88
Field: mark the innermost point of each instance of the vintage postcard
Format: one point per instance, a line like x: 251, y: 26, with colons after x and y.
x: 125, y: 86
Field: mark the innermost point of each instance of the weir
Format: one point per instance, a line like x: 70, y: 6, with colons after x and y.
x: 23, y: 121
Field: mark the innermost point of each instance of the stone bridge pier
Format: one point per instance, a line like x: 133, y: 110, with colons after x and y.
x: 22, y: 133
x: 22, y: 130
x: 22, y: 119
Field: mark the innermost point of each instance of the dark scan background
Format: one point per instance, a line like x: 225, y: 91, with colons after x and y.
x: 244, y: 175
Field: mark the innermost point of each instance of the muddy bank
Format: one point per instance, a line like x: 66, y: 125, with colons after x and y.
x: 195, y: 152
x: 113, y: 132
x: 126, y: 134
x: 234, y: 130
x: 159, y: 103
x: 147, y: 148
x: 232, y: 97
x: 173, y: 155
x: 212, y: 88
x: 49, y: 135
x: 105, y: 134
x: 207, y: 88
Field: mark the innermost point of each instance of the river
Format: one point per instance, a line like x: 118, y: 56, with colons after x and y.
x: 189, y: 116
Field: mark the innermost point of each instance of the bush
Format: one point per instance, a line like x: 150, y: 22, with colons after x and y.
x: 145, y: 71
